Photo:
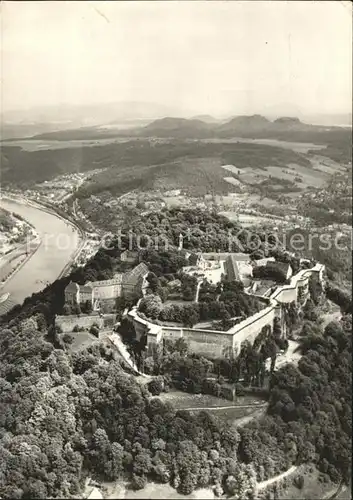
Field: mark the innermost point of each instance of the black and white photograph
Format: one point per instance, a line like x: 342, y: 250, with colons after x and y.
x: 176, y: 249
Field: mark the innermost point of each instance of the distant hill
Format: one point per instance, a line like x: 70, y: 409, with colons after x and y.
x: 254, y: 126
x: 177, y: 127
x: 196, y: 128
x: 336, y: 139
x: 243, y: 124
x: 206, y: 118
x: 290, y: 123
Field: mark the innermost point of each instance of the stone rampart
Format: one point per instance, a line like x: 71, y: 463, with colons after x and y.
x: 68, y: 323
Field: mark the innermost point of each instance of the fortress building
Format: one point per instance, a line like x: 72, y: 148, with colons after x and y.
x: 104, y: 293
x: 216, y: 343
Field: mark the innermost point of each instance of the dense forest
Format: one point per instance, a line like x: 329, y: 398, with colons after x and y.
x: 202, y: 230
x: 135, y: 163
x: 64, y: 416
x: 336, y: 139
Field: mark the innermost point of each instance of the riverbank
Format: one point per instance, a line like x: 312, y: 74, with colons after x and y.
x: 51, y: 209
x: 18, y: 266
x: 46, y: 207
x: 62, y: 240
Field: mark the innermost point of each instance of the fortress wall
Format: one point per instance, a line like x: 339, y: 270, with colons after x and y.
x: 141, y: 326
x: 140, y: 329
x: 286, y: 295
x: 171, y: 333
x: 154, y: 338
x: 289, y: 293
x: 250, y: 331
x: 213, y: 343
x: 208, y: 343
x: 67, y: 323
x: 257, y: 318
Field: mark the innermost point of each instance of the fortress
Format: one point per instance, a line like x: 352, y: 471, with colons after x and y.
x: 103, y: 294
x: 215, y: 343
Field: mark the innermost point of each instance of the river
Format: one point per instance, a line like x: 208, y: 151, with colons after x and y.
x: 60, y: 241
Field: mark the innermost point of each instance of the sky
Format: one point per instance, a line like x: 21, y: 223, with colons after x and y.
x: 199, y: 57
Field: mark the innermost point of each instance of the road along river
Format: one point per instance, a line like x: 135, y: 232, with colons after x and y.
x: 60, y: 242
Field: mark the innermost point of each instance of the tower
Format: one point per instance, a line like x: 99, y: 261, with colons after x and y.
x: 181, y: 238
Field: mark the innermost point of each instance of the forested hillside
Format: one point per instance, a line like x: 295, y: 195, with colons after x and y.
x: 65, y: 416
x: 135, y: 162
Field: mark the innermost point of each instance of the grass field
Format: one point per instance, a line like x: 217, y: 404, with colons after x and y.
x: 237, y: 416
x: 297, y: 147
x: 42, y: 144
x: 232, y: 181
x: 152, y: 491
x: 247, y: 220
x: 183, y: 400
x: 313, y: 489
x: 309, y: 177
x: 326, y: 165
x: 81, y: 340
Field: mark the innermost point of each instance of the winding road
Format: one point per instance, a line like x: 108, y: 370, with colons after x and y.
x: 268, y: 482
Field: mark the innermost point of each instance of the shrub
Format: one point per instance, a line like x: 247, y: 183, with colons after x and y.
x: 138, y: 482
x: 239, y: 390
x: 76, y: 309
x: 151, y: 306
x: 156, y: 386
x: 67, y: 309
x: 299, y: 482
x: 218, y: 490
x: 94, y: 330
x: 76, y: 329
x: 86, y: 307
x: 68, y: 339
